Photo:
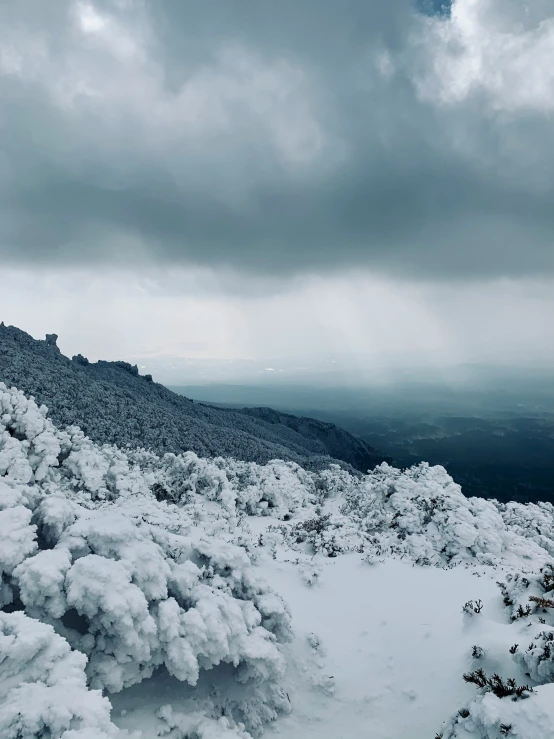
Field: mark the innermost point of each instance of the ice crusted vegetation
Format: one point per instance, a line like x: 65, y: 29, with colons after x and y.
x: 102, y: 584
x: 123, y: 570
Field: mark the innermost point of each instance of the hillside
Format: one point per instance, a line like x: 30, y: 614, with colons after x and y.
x: 145, y: 596
x: 113, y: 404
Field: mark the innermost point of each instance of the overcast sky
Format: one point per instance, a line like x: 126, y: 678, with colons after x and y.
x: 243, y: 179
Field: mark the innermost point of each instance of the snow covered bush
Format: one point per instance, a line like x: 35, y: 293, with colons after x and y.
x: 190, y: 726
x: 277, y: 488
x: 422, y: 513
x: 490, y: 717
x: 534, y: 521
x: 322, y: 534
x: 90, y: 556
x: 530, y: 598
x: 43, y: 686
x: 506, y: 707
x: 497, y: 685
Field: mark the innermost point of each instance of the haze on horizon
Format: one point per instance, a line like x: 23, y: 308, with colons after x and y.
x: 220, y: 182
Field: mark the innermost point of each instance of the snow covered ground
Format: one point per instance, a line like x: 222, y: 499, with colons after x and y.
x: 367, y: 660
x: 216, y: 599
x: 373, y: 645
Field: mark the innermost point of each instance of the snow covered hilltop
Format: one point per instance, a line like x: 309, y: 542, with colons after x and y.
x: 113, y: 404
x: 147, y: 595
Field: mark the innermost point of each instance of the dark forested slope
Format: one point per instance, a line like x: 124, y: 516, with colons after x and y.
x: 113, y: 404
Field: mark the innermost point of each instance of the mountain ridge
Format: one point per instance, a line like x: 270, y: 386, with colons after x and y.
x: 114, y: 404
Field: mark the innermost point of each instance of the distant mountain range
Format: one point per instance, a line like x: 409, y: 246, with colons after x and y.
x: 112, y: 403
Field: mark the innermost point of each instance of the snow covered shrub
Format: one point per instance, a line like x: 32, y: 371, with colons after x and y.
x: 477, y: 652
x: 179, y: 477
x: 322, y: 534
x: 43, y: 690
x: 472, y: 607
x: 422, y: 513
x: 490, y: 717
x: 496, y: 685
x: 333, y: 482
x: 132, y: 583
x: 498, y: 711
x: 310, y: 572
x: 277, y: 488
x: 525, y: 595
x: 193, y: 728
x: 133, y: 604
x: 17, y: 537
x: 542, y: 604
x: 538, y: 659
x: 547, y: 579
x: 29, y: 443
x: 419, y: 513
x: 534, y: 521
x: 528, y: 597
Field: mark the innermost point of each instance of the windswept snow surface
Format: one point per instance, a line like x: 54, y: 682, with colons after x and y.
x: 215, y: 599
x: 373, y: 646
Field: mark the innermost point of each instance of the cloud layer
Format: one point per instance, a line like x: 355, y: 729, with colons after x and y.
x: 368, y: 323
x: 280, y: 137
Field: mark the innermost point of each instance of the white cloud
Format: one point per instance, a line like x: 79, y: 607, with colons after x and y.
x: 122, y: 316
x: 108, y: 73
x: 497, y: 49
x: 89, y: 19
x: 284, y: 140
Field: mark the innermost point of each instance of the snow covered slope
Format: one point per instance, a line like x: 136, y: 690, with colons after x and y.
x: 215, y: 599
x: 113, y: 404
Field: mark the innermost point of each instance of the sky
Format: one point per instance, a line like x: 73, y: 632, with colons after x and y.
x: 244, y: 180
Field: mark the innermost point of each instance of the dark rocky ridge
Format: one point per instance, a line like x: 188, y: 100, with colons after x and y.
x: 113, y: 404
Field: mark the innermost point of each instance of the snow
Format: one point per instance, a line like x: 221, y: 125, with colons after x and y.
x: 399, y: 624
x: 219, y: 599
x: 43, y: 691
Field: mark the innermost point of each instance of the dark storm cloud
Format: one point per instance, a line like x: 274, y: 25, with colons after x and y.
x: 272, y: 137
